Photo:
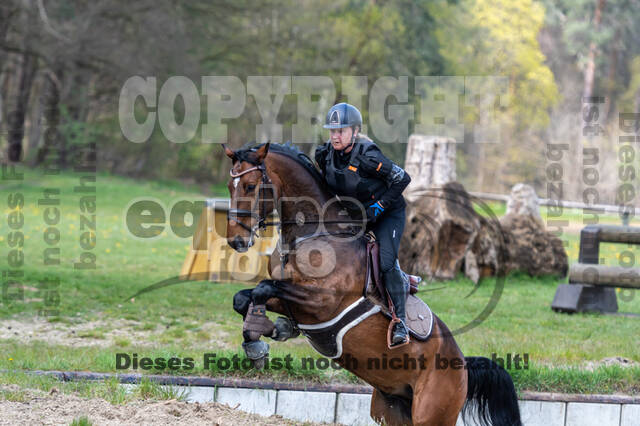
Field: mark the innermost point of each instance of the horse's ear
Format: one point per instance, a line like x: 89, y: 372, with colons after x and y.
x: 262, y: 152
x: 229, y: 152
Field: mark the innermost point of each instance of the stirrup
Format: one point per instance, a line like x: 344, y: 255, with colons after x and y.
x: 390, y: 344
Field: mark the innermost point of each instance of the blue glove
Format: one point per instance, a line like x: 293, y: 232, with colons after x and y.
x: 374, y: 211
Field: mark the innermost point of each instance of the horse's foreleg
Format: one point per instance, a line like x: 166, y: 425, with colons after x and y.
x: 268, y: 293
x: 256, y: 322
x: 284, y: 328
x: 252, y: 305
x: 242, y: 300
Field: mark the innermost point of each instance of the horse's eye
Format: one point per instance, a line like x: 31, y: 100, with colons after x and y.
x: 250, y: 188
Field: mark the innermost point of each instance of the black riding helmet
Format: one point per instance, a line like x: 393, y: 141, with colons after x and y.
x: 343, y: 115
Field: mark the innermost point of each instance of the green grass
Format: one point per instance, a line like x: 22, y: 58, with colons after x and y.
x: 15, y: 395
x: 172, y: 318
x: 81, y: 421
x: 602, y: 380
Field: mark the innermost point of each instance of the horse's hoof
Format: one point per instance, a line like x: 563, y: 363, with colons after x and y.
x: 257, y: 351
x: 284, y: 330
x: 258, y: 364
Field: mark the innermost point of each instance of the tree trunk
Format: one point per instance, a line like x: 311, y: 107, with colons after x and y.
x: 17, y: 117
x: 35, y: 122
x: 430, y: 161
x: 3, y: 96
x: 6, y: 14
x: 590, y: 70
x: 611, y: 77
x: 51, y: 114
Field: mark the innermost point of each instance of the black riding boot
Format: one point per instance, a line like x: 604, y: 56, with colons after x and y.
x: 394, y: 283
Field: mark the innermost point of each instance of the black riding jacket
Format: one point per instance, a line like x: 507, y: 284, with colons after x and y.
x: 363, y: 173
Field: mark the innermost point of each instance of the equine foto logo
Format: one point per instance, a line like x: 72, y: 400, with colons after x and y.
x: 320, y: 261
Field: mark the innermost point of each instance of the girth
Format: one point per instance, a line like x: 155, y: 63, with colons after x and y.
x: 326, y: 337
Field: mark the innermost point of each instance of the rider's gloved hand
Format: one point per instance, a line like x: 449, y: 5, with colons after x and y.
x: 374, y: 211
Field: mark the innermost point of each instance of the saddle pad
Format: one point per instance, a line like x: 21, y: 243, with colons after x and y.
x: 419, y: 316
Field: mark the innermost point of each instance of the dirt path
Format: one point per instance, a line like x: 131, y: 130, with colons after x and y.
x: 33, y: 407
x: 83, y: 333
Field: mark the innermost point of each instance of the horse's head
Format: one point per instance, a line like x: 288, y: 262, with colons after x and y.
x: 247, y: 184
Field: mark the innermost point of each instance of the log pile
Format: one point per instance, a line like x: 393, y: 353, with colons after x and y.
x: 444, y: 235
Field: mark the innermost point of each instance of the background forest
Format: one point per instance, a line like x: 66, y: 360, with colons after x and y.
x: 63, y: 64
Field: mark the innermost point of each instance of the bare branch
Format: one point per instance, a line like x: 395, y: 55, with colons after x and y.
x: 47, y: 24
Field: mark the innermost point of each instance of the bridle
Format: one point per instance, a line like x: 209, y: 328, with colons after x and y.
x: 260, y: 215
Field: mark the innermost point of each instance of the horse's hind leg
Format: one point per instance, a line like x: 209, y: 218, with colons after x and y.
x: 438, y: 397
x: 392, y: 410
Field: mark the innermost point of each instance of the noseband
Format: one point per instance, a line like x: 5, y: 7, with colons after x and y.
x: 233, y: 214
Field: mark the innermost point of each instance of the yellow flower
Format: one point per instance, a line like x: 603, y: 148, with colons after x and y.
x: 108, y: 250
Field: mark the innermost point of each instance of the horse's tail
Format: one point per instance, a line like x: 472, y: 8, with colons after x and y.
x: 491, y: 396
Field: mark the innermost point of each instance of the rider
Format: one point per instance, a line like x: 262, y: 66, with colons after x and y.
x: 353, y: 166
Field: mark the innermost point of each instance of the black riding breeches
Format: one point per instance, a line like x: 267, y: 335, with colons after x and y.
x: 388, y: 230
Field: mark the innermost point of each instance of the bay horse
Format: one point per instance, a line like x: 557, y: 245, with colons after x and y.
x: 260, y: 179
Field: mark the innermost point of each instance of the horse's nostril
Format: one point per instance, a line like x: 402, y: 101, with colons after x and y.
x: 237, y: 243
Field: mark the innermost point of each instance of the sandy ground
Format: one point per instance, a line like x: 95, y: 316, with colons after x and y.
x: 55, y: 408
x: 56, y: 333
x: 616, y: 360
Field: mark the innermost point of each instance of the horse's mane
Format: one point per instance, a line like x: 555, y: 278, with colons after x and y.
x: 288, y: 150
x: 247, y: 153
